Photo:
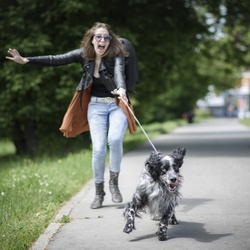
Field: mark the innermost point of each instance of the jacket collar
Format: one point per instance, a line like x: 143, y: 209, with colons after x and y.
x: 90, y: 64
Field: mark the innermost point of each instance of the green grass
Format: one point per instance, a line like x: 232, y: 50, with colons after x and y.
x: 245, y: 122
x: 152, y: 130
x: 33, y: 190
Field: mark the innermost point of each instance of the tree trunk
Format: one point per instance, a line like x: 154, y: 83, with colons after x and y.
x: 24, y: 138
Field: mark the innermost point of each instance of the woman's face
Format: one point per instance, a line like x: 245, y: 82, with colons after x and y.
x: 101, y: 41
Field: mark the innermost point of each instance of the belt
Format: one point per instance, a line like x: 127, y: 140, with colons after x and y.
x: 106, y: 100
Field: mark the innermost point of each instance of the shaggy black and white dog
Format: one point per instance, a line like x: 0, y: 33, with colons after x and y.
x: 158, y: 191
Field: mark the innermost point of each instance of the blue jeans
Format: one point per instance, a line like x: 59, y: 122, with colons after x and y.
x: 107, y: 123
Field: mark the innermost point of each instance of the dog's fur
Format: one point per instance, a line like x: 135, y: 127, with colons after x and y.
x: 158, y: 191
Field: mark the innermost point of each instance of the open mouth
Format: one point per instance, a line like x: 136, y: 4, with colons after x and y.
x: 101, y: 48
x: 172, y: 187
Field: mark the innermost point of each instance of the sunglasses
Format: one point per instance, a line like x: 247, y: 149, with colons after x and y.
x: 98, y: 37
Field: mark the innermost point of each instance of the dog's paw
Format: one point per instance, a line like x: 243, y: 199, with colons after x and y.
x: 162, y: 233
x: 128, y: 228
x: 173, y: 221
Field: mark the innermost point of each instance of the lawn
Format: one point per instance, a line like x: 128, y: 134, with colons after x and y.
x: 32, y: 191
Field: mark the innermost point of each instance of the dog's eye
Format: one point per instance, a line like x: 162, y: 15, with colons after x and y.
x: 164, y: 170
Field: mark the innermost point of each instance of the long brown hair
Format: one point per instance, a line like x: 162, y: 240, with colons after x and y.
x: 115, y: 47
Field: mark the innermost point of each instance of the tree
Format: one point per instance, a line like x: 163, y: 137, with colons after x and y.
x: 33, y: 99
x: 230, y: 19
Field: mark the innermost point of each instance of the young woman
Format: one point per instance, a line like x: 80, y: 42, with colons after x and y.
x: 95, y: 105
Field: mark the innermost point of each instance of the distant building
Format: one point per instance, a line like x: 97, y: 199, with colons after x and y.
x: 230, y: 103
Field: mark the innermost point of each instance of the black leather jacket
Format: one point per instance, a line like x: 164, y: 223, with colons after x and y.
x: 111, y: 70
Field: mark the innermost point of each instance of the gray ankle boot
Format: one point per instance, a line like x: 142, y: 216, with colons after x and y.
x: 113, y: 187
x: 99, y: 196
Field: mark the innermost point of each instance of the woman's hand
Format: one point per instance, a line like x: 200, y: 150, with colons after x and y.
x: 16, y: 57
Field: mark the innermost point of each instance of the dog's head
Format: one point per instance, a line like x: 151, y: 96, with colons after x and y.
x: 165, y: 169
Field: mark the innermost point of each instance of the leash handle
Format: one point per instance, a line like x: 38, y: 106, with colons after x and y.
x: 132, y: 113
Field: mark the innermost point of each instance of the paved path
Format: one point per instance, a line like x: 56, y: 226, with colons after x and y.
x: 214, y: 212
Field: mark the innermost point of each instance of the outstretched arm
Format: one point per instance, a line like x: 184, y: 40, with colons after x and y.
x: 48, y: 60
x: 16, y: 57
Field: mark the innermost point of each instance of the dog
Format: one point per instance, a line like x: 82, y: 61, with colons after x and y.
x: 158, y: 191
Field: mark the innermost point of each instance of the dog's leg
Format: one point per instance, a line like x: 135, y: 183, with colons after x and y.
x: 173, y: 220
x: 163, y: 225
x: 131, y: 211
x: 129, y: 214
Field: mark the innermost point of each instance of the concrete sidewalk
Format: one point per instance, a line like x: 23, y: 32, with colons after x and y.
x: 214, y: 212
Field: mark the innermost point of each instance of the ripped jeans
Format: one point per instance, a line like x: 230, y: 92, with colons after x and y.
x: 107, y: 123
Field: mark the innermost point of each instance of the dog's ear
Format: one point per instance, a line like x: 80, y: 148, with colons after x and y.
x: 153, y: 164
x: 178, y: 154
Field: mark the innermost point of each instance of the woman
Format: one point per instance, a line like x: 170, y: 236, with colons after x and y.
x: 95, y: 105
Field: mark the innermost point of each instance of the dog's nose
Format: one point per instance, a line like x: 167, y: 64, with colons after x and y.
x: 173, y: 180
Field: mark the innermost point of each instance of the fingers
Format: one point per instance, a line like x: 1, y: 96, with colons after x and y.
x: 115, y: 92
x: 124, y: 100
x: 13, y: 52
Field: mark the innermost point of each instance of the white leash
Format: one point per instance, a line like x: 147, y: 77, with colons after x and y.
x: 132, y: 113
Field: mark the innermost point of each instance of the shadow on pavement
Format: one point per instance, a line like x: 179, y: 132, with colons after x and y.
x: 195, y: 231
